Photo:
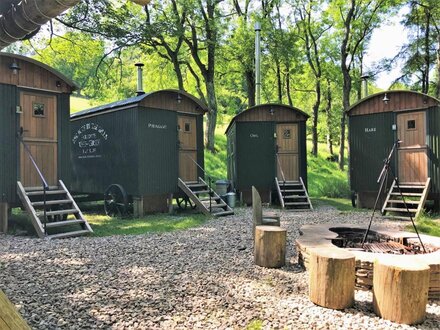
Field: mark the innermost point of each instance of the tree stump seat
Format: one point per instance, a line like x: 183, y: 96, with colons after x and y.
x: 400, y: 289
x: 331, y: 277
x: 270, y: 246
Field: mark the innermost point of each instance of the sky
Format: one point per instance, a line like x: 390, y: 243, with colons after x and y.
x: 385, y: 43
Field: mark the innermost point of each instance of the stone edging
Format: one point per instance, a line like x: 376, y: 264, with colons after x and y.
x: 320, y: 236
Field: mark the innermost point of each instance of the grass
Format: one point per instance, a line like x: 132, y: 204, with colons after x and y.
x: 325, y: 179
x: 78, y: 104
x: 104, y: 225
x: 341, y: 204
x: 216, y: 163
x: 427, y: 224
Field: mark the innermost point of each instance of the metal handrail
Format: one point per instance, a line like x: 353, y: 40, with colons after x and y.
x: 282, y: 173
x: 209, y: 181
x: 43, y: 180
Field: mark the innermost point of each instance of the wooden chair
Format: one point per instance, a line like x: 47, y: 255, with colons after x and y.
x: 260, y: 218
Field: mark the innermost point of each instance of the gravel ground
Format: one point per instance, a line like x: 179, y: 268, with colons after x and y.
x: 203, y: 278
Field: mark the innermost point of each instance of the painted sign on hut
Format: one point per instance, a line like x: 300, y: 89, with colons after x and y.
x: 146, y: 149
x: 267, y: 149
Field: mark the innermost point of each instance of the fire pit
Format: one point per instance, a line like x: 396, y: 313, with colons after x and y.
x: 380, y: 241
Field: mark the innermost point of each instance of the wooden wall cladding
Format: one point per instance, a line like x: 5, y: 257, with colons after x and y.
x: 268, y: 112
x: 398, y: 101
x: 31, y: 75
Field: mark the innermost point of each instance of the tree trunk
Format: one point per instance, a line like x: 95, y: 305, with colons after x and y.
x: 346, y: 105
x: 315, y: 117
x: 178, y: 71
x: 328, y: 109
x: 28, y: 17
x: 289, y: 96
x: 437, y: 91
x: 212, y: 114
x: 279, y: 84
x: 425, y: 84
x: 400, y: 289
x: 250, y: 82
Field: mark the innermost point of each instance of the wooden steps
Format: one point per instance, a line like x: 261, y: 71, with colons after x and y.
x: 206, y: 199
x: 10, y: 318
x: 406, y: 200
x: 59, y: 206
x: 293, y: 195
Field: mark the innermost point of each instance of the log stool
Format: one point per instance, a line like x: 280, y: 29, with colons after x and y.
x: 400, y: 289
x: 331, y: 277
x: 270, y: 246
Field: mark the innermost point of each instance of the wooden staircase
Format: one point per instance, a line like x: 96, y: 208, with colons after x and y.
x: 59, y: 205
x: 206, y: 199
x: 413, y: 194
x: 293, y: 195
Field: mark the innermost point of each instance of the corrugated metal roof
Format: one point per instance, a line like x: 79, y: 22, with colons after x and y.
x: 113, y: 105
x: 135, y: 100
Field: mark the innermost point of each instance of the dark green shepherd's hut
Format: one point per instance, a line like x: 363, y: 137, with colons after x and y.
x: 375, y: 124
x: 267, y: 149
x: 35, y: 135
x: 146, y: 149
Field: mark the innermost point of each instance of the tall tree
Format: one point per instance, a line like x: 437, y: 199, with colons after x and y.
x: 355, y: 21
x: 420, y: 52
x: 311, y: 30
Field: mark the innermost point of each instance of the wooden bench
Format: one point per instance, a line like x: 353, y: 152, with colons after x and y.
x: 10, y: 318
x: 259, y: 218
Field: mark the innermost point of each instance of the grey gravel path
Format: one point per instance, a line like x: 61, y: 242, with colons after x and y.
x: 203, y: 278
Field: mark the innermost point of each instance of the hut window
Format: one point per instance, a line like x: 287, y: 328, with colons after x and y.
x: 38, y: 109
x: 187, y: 127
x: 411, y: 124
x: 286, y: 134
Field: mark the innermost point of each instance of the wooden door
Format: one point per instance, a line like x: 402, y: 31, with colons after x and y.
x: 38, y: 124
x: 412, y: 151
x: 187, y: 128
x: 287, y: 152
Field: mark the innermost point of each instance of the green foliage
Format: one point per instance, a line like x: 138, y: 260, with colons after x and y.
x: 79, y: 103
x: 215, y: 163
x: 341, y: 204
x: 255, y: 325
x: 427, y: 224
x: 325, y: 178
x: 106, y: 226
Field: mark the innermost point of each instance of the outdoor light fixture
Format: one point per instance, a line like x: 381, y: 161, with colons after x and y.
x: 14, y: 67
x: 179, y: 98
x: 58, y: 83
x: 385, y: 99
x: 271, y: 111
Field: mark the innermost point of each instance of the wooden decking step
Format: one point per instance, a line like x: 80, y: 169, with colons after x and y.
x: 295, y: 197
x: 48, y: 192
x: 296, y: 203
x: 197, y: 185
x: 55, y: 202
x: 201, y: 191
x: 204, y: 199
x: 291, y: 190
x: 405, y: 194
x: 396, y: 209
x: 397, y: 217
x: 39, y: 188
x: 217, y: 214
x: 58, y: 212
x: 64, y: 223
x: 400, y: 201
x: 69, y: 234
x: 411, y: 187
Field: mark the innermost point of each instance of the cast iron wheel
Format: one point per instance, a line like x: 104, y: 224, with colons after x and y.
x: 115, y: 201
x: 184, y: 202
x: 353, y: 198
